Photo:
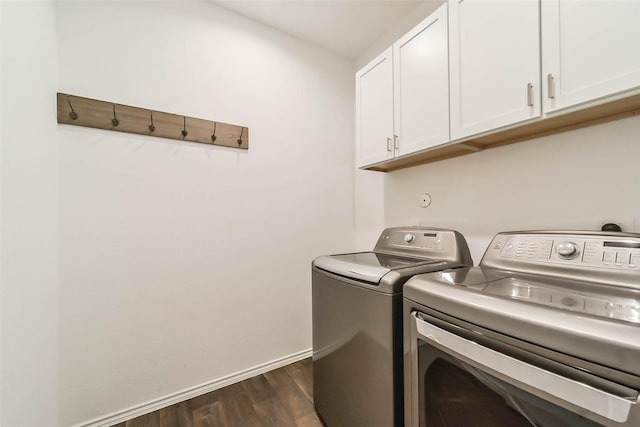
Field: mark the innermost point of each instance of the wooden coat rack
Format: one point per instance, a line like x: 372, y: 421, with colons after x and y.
x: 79, y: 111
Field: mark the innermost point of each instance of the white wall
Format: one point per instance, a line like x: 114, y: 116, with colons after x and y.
x: 183, y: 263
x: 1, y: 222
x: 574, y: 180
x: 29, y: 211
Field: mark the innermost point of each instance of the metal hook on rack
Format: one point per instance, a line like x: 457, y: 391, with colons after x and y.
x: 184, y: 127
x: 115, y: 120
x: 240, y: 139
x: 213, y: 136
x: 72, y: 114
x: 152, y: 127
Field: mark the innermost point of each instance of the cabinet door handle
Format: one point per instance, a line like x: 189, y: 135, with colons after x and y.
x: 396, y: 142
x: 551, y: 86
x: 529, y: 94
x: 388, y: 144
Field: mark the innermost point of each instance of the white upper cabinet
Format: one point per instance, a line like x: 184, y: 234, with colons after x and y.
x: 484, y: 67
x: 402, y: 100
x: 589, y: 50
x: 495, y: 64
x: 421, y: 85
x: 374, y: 110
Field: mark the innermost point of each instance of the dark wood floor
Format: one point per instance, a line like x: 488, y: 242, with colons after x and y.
x: 279, y: 398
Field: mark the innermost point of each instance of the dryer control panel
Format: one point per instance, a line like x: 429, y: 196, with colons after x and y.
x: 614, y: 253
x: 586, y: 252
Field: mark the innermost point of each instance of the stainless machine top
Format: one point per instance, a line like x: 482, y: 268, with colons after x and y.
x: 399, y: 253
x: 576, y: 292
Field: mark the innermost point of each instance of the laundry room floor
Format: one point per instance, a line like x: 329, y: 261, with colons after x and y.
x: 282, y: 397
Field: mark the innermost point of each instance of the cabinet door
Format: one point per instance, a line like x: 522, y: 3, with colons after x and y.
x: 374, y: 110
x: 421, y: 88
x: 589, y: 50
x: 495, y: 64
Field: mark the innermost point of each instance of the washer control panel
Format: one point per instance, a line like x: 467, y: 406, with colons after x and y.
x: 408, y: 238
x: 424, y: 243
x: 608, y: 251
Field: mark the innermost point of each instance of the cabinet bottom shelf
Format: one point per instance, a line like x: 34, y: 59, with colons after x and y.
x: 610, y: 111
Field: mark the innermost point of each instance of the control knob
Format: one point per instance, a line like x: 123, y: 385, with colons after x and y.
x: 567, y: 250
x: 409, y: 238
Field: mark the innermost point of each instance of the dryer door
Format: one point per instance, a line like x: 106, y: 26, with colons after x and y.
x: 461, y: 379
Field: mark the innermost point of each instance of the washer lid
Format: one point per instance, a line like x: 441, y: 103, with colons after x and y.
x: 366, y: 266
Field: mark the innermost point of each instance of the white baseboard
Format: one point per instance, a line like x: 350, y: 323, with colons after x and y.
x: 163, y: 402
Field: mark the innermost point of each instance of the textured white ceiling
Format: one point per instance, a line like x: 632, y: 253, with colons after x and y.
x: 346, y: 27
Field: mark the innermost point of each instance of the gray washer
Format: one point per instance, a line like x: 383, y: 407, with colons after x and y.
x: 357, y: 322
